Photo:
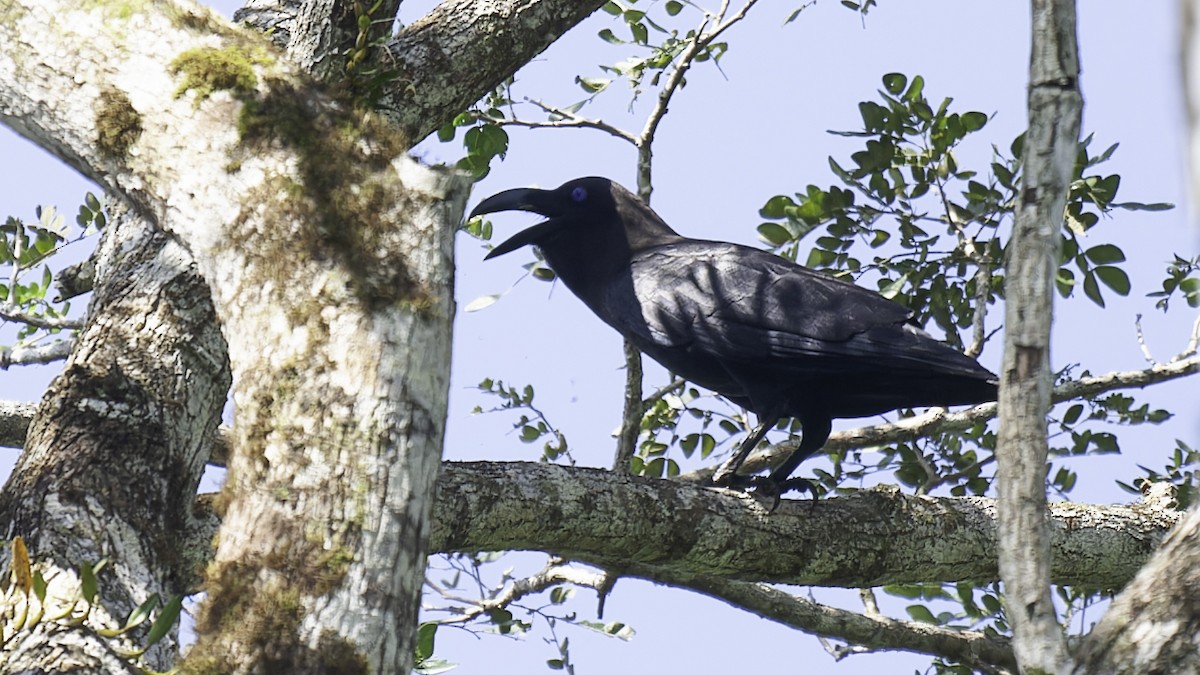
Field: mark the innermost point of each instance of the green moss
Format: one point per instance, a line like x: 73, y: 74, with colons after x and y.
x: 118, y: 125
x: 206, y: 70
x: 263, y: 618
x: 339, y: 200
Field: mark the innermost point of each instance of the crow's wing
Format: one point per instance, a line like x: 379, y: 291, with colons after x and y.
x: 738, y: 304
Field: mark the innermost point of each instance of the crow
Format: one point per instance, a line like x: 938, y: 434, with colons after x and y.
x: 771, y: 336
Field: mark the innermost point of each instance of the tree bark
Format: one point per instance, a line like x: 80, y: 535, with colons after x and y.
x: 328, y: 254
x: 1055, y: 107
x: 1151, y: 626
x: 113, y: 459
x: 650, y: 527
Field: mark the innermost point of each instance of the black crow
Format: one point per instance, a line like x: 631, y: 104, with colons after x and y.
x: 769, y: 335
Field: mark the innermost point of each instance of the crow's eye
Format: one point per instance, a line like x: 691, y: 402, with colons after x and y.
x: 579, y: 193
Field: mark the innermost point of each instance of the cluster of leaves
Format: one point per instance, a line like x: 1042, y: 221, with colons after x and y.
x: 1183, y: 277
x: 660, y: 431
x: 529, y: 429
x: 485, y: 139
x: 463, y: 574
x: 27, y: 604
x: 25, y: 250
x: 1181, y: 470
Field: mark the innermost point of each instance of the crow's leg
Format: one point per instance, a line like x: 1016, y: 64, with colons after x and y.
x: 815, y: 433
x: 726, y: 474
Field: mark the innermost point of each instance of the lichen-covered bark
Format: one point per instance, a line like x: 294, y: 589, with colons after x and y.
x: 1055, y: 108
x: 328, y: 253
x: 441, y: 63
x: 462, y: 49
x: 116, y: 450
x: 1151, y: 627
x: 644, y: 526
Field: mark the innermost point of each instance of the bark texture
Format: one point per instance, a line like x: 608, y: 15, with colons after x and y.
x: 1055, y: 108
x: 329, y: 255
x: 1151, y: 627
x: 116, y: 451
x: 648, y: 527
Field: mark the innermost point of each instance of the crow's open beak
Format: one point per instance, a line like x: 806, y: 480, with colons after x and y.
x: 521, y: 199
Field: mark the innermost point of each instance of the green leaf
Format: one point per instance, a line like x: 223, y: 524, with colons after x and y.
x: 973, y: 121
x: 87, y: 579
x: 920, y: 613
x: 610, y: 37
x: 1105, y: 254
x: 482, y: 302
x: 1073, y: 414
x: 774, y: 234
x: 894, y: 83
x: 915, y: 89
x: 776, y: 207
x: 142, y: 612
x: 1115, y: 278
x: 1091, y: 289
x: 593, y: 85
x: 1138, y: 206
x: 446, y: 132
x: 165, y: 621
x: 674, y: 7
x: 425, y: 638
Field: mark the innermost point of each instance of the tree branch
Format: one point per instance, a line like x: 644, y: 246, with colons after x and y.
x: 24, y: 356
x: 875, y: 632
x: 11, y: 312
x: 1051, y: 146
x: 869, y: 538
x: 937, y: 420
x: 462, y: 49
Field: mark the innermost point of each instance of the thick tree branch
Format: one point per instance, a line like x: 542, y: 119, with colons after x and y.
x: 25, y: 356
x: 869, y: 538
x: 1151, y: 626
x: 462, y: 49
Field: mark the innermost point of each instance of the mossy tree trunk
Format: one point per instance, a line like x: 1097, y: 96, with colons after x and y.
x: 328, y: 255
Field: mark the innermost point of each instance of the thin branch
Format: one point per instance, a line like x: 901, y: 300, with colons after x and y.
x: 1193, y: 343
x: 569, y: 120
x: 939, y: 420
x: 24, y: 356
x: 670, y: 388
x: 11, y: 312
x: 1141, y: 339
x: 983, y: 283
x: 874, y: 632
x: 631, y: 417
x: 554, y: 573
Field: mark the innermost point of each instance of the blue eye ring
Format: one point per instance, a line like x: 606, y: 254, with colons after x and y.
x: 578, y: 193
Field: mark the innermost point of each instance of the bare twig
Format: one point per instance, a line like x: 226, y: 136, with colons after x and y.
x: 631, y: 417
x: 983, y: 283
x: 1141, y: 338
x: 1193, y: 343
x: 569, y: 120
x: 554, y: 573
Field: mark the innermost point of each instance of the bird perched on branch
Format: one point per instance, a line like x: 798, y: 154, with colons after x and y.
x: 769, y: 335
